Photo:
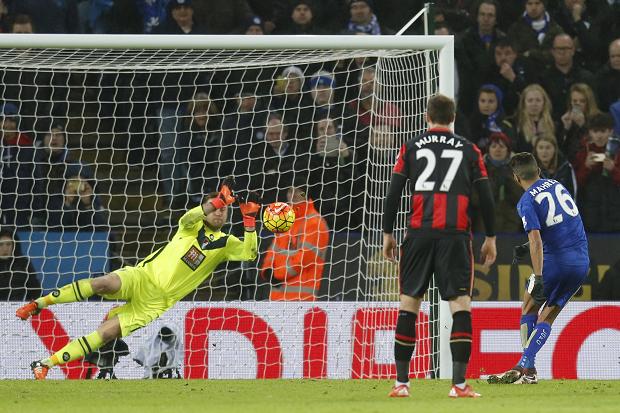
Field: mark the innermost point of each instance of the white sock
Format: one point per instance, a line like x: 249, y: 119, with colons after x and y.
x: 461, y: 385
x: 397, y: 383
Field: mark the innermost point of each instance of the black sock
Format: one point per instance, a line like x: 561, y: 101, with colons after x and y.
x: 404, y: 344
x: 460, y: 345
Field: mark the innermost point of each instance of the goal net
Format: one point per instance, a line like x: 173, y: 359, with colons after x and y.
x: 107, y: 142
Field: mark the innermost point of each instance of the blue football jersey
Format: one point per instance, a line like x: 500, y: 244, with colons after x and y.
x: 547, y: 206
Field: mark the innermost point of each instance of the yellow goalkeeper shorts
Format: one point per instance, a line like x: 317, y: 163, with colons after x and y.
x: 145, y: 301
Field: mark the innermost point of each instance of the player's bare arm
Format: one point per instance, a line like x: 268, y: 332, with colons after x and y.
x: 535, y: 286
x: 488, y: 251
x: 536, y: 251
x: 389, y: 247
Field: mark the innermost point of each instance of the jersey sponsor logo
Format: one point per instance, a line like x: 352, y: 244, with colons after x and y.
x: 193, y: 258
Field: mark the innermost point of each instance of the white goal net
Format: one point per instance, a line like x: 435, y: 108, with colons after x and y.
x: 105, y: 145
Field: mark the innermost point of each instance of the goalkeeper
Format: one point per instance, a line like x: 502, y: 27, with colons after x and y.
x: 160, y: 280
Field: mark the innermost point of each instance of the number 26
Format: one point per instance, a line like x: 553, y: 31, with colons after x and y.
x: 565, y: 201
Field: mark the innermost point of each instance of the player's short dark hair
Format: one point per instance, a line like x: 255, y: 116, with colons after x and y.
x: 441, y: 109
x: 524, y: 165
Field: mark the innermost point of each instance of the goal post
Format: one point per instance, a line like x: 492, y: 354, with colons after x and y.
x: 125, y: 104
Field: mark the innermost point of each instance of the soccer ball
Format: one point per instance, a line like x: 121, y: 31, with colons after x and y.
x: 278, y: 217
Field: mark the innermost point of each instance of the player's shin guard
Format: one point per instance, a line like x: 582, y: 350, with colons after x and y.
x: 404, y: 344
x: 528, y: 321
x: 70, y: 293
x: 460, y: 345
x: 536, y: 341
x: 75, y: 349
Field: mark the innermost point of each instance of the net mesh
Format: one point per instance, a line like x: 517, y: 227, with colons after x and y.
x: 125, y: 141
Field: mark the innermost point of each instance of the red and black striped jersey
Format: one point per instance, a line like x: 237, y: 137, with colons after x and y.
x: 442, y: 168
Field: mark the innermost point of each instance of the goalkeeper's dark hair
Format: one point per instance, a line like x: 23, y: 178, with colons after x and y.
x: 441, y: 109
x: 524, y: 165
x: 211, y: 195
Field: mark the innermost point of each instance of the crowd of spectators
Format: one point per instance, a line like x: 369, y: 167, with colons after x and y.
x: 531, y: 77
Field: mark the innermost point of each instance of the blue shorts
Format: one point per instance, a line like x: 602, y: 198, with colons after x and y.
x: 562, y: 278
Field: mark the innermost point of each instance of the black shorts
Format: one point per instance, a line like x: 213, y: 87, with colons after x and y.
x: 450, y: 259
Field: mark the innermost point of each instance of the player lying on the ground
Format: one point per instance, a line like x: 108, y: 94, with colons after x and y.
x: 559, y: 250
x: 160, y: 280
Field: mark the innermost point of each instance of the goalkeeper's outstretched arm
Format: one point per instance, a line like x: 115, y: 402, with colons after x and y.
x: 223, y: 198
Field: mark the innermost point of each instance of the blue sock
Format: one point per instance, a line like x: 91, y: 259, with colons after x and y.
x: 536, y: 341
x: 528, y: 321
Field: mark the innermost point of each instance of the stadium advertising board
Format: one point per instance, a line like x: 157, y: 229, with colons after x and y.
x: 506, y: 282
x: 317, y: 340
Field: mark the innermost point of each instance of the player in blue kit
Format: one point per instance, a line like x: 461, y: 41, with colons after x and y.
x: 559, y: 251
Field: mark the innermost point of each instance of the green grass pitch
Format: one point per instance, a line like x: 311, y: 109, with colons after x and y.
x: 297, y: 396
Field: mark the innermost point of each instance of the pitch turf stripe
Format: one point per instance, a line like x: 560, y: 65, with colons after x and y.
x: 77, y: 286
x: 82, y: 345
x: 87, y: 345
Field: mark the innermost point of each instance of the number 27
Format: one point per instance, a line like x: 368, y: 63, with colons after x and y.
x: 423, y: 184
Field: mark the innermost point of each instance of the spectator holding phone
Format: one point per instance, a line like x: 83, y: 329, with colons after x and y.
x: 581, y: 107
x: 82, y: 211
x: 597, y: 166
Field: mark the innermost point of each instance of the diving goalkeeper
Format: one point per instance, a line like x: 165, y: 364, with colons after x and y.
x: 160, y: 280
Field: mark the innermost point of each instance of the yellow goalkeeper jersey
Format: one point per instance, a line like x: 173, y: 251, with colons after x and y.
x: 180, y: 266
